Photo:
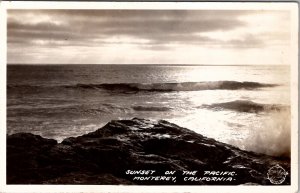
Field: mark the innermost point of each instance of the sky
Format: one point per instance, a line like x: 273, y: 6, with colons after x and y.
x: 211, y: 37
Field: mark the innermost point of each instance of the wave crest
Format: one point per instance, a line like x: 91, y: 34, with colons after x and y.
x: 245, y: 106
x: 183, y: 86
x: 150, y: 108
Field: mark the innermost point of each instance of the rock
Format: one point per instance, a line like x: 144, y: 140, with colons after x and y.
x: 24, y: 151
x: 104, y: 156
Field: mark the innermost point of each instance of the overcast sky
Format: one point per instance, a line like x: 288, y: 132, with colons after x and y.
x: 148, y: 37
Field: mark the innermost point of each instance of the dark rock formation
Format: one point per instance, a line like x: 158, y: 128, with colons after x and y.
x: 104, y: 156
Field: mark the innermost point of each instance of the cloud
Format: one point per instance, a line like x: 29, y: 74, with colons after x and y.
x: 149, y: 30
x: 86, y: 25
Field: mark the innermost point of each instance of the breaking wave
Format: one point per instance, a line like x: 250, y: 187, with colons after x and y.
x: 273, y: 137
x: 150, y: 108
x: 167, y: 87
x: 245, y: 106
x: 156, y: 87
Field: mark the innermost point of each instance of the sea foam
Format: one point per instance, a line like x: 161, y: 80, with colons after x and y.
x: 273, y: 137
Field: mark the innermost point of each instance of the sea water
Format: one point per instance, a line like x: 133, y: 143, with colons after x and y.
x: 246, y: 106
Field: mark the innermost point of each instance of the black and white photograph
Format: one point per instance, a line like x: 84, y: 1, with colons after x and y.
x: 198, y: 95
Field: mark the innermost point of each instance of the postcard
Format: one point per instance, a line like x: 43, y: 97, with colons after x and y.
x: 149, y: 97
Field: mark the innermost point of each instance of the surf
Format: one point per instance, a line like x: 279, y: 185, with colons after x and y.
x: 169, y: 87
x: 245, y: 106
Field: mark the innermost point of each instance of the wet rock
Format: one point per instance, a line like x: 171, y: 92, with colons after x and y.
x: 104, y: 156
x: 24, y: 150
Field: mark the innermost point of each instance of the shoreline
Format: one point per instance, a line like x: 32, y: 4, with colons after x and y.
x: 102, y: 157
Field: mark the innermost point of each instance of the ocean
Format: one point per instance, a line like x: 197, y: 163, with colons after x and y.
x: 246, y: 106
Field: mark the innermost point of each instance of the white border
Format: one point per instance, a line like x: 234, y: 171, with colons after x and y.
x: 290, y: 6
x: 150, y: 5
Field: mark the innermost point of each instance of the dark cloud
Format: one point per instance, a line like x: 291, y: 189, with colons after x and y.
x: 86, y: 26
x: 36, y: 35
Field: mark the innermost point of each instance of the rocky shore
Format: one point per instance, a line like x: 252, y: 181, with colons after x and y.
x: 136, y: 152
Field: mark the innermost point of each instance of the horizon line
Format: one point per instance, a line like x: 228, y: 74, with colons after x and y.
x: 57, y: 64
